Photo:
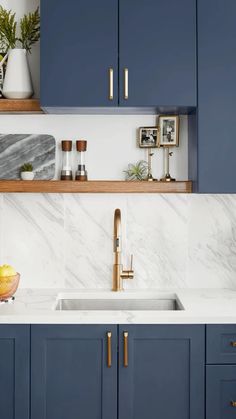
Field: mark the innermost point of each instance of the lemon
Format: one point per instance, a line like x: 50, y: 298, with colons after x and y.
x: 7, y: 270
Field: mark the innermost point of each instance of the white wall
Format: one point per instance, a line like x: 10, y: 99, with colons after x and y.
x: 112, y: 140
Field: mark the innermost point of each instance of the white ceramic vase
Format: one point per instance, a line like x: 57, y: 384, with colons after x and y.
x: 17, y: 81
x: 27, y: 175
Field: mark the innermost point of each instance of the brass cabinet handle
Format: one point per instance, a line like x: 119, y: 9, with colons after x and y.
x: 233, y: 403
x: 111, y: 84
x: 109, y: 355
x: 126, y: 83
x: 233, y: 343
x: 126, y: 351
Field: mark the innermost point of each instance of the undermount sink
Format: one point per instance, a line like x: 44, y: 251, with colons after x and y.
x: 150, y: 304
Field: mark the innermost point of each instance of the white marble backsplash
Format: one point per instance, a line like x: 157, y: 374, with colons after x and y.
x: 178, y: 241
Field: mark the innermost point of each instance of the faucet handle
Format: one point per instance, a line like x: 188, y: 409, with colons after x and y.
x: 128, y: 273
x: 131, y: 262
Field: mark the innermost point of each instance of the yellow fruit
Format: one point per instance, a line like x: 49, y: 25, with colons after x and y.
x: 7, y: 270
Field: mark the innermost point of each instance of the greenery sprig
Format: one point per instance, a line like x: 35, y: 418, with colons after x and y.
x: 138, y: 171
x: 27, y: 167
x: 29, y: 28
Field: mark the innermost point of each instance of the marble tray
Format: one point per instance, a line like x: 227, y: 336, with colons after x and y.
x: 17, y: 149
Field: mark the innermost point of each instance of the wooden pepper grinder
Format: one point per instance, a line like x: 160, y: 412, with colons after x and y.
x: 81, y: 173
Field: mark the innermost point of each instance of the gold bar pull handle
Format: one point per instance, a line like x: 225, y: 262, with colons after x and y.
x: 109, y: 355
x: 233, y: 403
x: 111, y: 84
x: 126, y: 351
x: 233, y: 344
x: 126, y: 83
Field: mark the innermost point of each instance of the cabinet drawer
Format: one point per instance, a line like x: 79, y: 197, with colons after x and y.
x: 221, y: 344
x: 221, y: 392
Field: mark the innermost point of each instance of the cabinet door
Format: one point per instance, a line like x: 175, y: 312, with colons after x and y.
x: 79, y: 44
x: 14, y: 371
x: 164, y: 376
x: 157, y: 42
x: 220, y: 392
x: 217, y: 96
x: 70, y: 375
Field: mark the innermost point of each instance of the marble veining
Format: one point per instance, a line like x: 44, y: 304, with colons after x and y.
x: 178, y: 241
x: 17, y: 149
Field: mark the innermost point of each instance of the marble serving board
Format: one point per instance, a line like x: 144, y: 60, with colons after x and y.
x: 17, y: 149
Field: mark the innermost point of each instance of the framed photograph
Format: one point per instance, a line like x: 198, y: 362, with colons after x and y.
x: 168, y: 131
x: 148, y: 137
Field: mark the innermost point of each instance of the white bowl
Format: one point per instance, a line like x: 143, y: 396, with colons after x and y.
x: 27, y: 175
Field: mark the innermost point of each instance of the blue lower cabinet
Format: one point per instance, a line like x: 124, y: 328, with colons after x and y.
x: 161, y: 373
x: 221, y: 392
x: 14, y: 371
x: 74, y: 372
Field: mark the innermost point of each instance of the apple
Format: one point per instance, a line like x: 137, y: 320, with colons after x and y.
x: 7, y: 270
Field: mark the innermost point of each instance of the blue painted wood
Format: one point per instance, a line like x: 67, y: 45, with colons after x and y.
x: 216, y: 96
x: 165, y: 374
x: 14, y: 371
x: 69, y: 374
x: 79, y: 43
x: 157, y: 42
x: 220, y: 391
x: 219, y: 340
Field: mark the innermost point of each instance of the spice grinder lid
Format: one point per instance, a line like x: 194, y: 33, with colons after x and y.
x: 66, y: 145
x: 81, y: 145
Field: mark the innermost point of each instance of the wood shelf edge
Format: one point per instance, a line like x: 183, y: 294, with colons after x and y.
x: 93, y: 186
x: 20, y: 105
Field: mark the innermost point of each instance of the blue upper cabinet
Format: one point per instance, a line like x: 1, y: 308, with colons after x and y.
x: 216, y: 148
x: 109, y: 53
x: 14, y: 371
x: 157, y: 42
x: 79, y: 45
x: 161, y: 373
x: 73, y: 372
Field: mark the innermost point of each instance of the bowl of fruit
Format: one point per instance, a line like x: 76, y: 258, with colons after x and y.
x: 9, y: 281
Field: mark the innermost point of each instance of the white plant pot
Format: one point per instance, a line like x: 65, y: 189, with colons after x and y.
x: 27, y: 175
x: 17, y: 81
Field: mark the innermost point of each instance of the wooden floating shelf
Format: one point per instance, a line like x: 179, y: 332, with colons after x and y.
x: 93, y: 186
x: 20, y: 105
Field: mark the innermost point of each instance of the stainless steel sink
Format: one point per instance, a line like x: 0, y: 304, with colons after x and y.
x: 118, y: 304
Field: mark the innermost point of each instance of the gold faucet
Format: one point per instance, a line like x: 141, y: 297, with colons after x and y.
x: 118, y: 273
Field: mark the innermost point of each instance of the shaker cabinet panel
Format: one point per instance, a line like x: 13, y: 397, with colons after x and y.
x: 14, y: 371
x: 157, y: 41
x: 161, y: 373
x: 221, y: 392
x: 70, y: 374
x: 216, y: 96
x: 79, y: 44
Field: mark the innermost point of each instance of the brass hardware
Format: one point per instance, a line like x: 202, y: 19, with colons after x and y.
x: 109, y: 355
x: 233, y: 343
x: 118, y: 272
x: 111, y: 84
x: 126, y: 83
x: 126, y: 354
x: 233, y: 403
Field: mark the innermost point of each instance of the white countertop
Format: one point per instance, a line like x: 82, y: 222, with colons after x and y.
x: 33, y: 306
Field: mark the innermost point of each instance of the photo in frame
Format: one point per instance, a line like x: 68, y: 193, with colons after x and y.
x: 168, y: 135
x: 148, y: 137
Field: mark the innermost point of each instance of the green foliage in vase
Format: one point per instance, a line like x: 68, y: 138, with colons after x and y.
x: 138, y: 171
x: 8, y: 37
x: 27, y: 167
x: 30, y: 29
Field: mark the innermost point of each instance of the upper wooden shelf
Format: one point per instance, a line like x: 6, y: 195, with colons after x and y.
x: 93, y: 186
x: 20, y: 105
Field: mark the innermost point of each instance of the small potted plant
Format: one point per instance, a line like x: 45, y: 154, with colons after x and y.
x: 26, y: 172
